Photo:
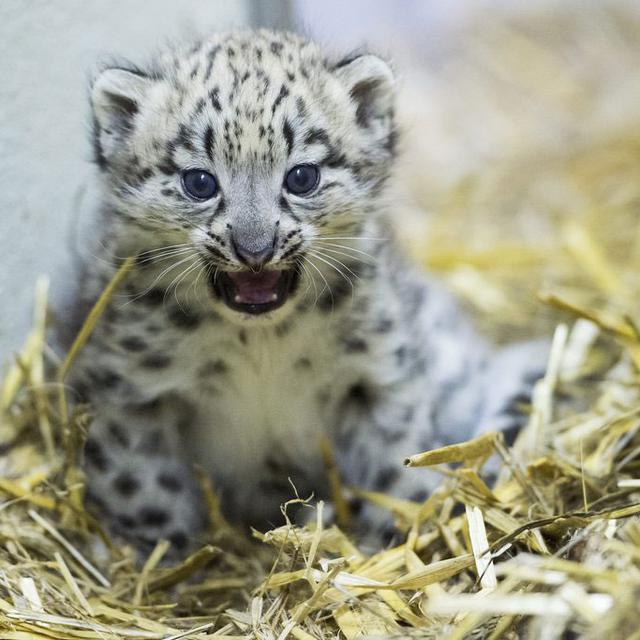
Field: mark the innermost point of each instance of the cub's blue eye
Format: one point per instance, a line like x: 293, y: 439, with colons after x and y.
x: 302, y: 179
x: 199, y: 184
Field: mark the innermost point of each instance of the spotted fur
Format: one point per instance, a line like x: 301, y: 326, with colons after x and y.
x: 366, y: 351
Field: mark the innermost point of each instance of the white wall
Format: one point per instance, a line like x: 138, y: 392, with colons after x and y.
x: 49, y: 48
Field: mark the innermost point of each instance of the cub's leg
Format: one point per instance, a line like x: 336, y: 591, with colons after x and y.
x: 378, y: 432
x: 511, y: 374
x: 381, y: 428
x: 136, y: 479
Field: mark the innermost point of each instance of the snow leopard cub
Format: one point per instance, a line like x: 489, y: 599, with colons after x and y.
x: 269, y: 304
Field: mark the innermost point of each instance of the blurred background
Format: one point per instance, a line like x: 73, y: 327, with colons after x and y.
x: 520, y: 122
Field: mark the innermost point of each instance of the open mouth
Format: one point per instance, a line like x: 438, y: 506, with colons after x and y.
x: 255, y: 293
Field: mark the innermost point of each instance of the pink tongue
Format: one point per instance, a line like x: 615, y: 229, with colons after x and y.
x: 255, y: 288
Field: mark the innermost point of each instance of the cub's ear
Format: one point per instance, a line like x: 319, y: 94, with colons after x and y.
x: 370, y: 83
x: 116, y: 96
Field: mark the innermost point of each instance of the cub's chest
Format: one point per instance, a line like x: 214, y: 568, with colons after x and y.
x: 257, y: 394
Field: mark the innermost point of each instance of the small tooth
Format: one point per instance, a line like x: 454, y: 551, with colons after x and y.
x: 274, y: 297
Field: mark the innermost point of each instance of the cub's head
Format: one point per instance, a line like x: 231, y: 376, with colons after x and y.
x: 254, y: 152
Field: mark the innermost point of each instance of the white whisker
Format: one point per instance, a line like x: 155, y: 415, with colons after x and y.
x: 324, y: 280
x: 346, y: 247
x: 167, y: 253
x: 343, y: 253
x: 350, y: 238
x: 157, y: 279
x: 154, y: 250
x: 178, y: 279
x: 311, y: 282
x: 325, y: 258
x: 194, y: 284
x: 326, y: 283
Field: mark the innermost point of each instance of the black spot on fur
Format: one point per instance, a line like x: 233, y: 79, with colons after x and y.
x: 119, y: 434
x: 208, y: 142
x: 301, y: 107
x: 153, y: 328
x: 517, y: 405
x: 283, y: 328
x: 386, y: 477
x: 169, y: 482
x: 154, y: 298
x: 185, y: 138
x: 145, y: 174
x: 133, y: 343
x: 168, y: 166
x: 178, y: 539
x: 95, y: 456
x: 361, y: 394
x: 419, y: 496
x: 284, y: 204
x: 184, y: 318
x: 126, y: 485
x: 384, y: 325
x: 153, y: 442
x: 400, y: 355
x: 212, y: 56
x: 104, y: 378
x: 274, y: 465
x: 389, y: 537
x: 317, y: 136
x: 219, y: 239
x: 287, y: 132
x: 353, y: 344
x: 153, y: 517
x: 213, y: 368
x: 282, y: 94
x: 303, y: 363
x: 214, y: 251
x: 155, y: 361
x: 291, y: 250
x: 214, y: 96
x: 334, y: 297
x: 335, y: 160
x: 125, y: 522
x: 200, y: 106
x: 511, y: 433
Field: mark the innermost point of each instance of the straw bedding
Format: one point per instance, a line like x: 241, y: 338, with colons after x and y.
x: 538, y: 233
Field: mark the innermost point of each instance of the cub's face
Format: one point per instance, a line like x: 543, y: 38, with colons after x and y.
x: 255, y: 154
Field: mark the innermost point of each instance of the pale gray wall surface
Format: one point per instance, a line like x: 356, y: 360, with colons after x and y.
x: 49, y: 49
